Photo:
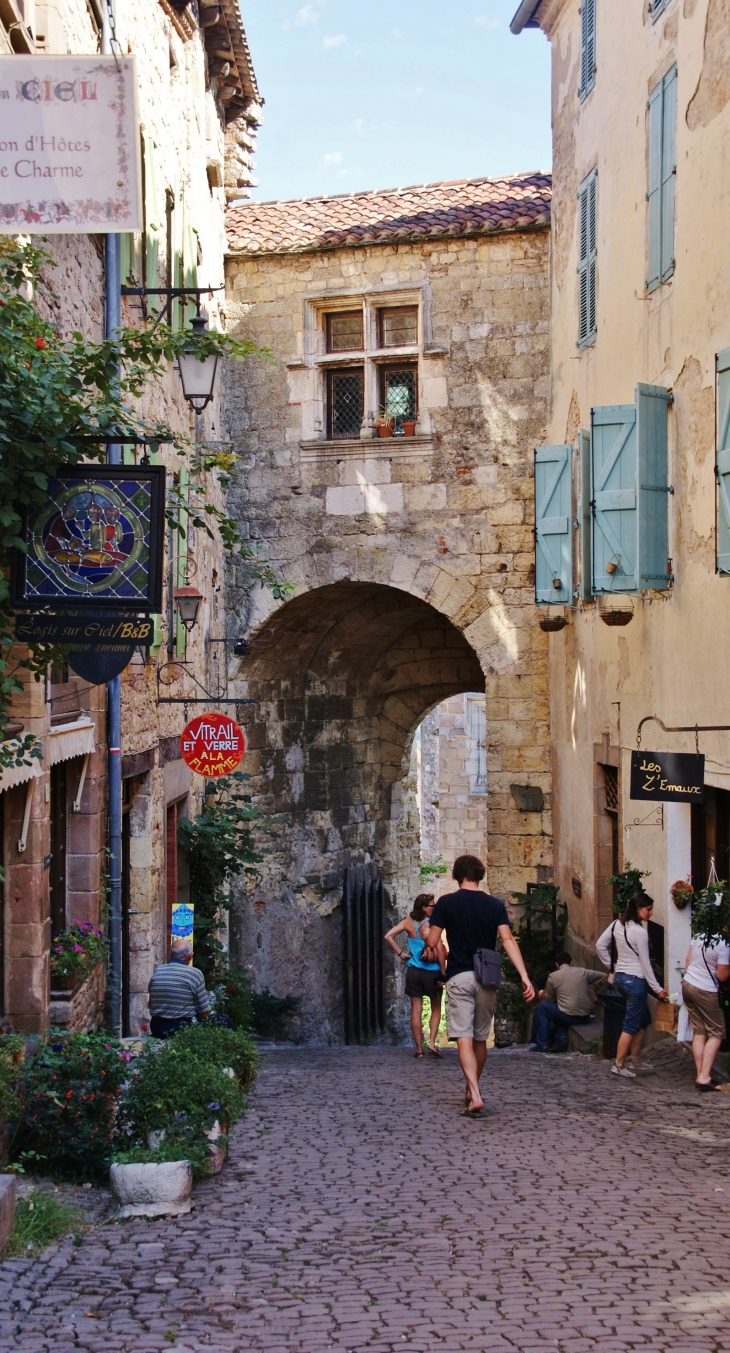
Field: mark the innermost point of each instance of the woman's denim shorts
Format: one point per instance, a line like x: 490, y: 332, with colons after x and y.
x: 635, y: 989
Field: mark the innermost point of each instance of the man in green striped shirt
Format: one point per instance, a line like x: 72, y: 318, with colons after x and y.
x: 177, y: 992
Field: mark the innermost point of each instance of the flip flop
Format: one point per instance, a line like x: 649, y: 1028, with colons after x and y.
x: 417, y: 1055
x: 435, y: 1053
x: 471, y: 1113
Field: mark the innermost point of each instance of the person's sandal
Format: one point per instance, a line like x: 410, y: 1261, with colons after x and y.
x: 704, y: 1087
x: 435, y: 1053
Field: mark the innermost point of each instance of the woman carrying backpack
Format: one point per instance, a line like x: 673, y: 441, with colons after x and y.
x: 706, y: 966
x: 424, y: 973
x: 633, y: 977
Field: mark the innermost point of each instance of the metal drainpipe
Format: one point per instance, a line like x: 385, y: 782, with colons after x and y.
x: 113, y: 321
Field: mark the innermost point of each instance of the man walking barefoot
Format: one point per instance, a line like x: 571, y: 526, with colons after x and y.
x: 472, y: 920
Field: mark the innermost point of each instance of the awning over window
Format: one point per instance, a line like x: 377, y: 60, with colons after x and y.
x: 70, y: 740
x: 64, y: 743
x: 18, y: 775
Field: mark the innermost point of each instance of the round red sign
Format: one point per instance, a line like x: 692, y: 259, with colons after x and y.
x: 212, y: 745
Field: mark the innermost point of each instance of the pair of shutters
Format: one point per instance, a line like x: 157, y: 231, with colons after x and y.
x: 722, y: 465
x: 662, y: 176
x: 623, y: 503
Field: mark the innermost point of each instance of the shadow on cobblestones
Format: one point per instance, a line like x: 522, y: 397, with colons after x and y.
x: 581, y: 1213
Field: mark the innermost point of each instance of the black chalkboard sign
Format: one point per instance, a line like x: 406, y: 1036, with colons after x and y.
x: 673, y: 777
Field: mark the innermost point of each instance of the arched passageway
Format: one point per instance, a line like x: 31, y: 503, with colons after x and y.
x: 342, y: 677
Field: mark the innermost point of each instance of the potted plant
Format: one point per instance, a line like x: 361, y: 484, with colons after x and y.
x: 625, y: 885
x: 682, y: 893
x: 74, y: 953
x: 152, y: 1182
x: 385, y: 422
x: 409, y: 427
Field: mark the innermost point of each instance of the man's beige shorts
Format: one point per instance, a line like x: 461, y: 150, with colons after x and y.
x: 470, y: 1007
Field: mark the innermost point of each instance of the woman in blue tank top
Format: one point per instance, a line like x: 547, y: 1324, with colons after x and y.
x: 425, y: 970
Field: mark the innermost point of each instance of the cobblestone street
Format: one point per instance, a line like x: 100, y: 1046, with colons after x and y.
x: 358, y: 1210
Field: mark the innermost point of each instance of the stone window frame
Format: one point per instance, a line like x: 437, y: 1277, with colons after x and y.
x: 372, y: 357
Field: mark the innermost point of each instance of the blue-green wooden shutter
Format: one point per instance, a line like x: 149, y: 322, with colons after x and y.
x: 553, y: 537
x: 587, y: 194
x: 669, y: 170
x: 662, y: 174
x: 587, y: 47
x: 586, y: 514
x: 615, y: 518
x: 154, y: 220
x: 722, y: 363
x: 654, y: 271
x: 656, y: 7
x: 652, y: 403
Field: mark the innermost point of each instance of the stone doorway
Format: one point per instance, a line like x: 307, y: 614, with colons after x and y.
x: 343, y: 681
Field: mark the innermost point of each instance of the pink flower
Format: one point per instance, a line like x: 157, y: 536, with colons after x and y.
x: 79, y: 948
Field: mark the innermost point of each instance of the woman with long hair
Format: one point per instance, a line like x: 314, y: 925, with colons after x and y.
x: 424, y: 971
x: 633, y: 976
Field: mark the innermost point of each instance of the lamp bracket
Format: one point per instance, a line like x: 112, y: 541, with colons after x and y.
x: 172, y: 294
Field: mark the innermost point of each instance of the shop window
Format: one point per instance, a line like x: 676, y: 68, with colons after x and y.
x: 711, y: 836
x: 58, y: 882
x: 399, y: 327
x: 399, y: 393
x: 345, y: 331
x: 345, y: 401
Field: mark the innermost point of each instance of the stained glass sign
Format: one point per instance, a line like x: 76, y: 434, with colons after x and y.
x: 96, y: 543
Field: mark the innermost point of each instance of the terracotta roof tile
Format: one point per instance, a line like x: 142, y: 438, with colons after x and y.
x: 460, y: 207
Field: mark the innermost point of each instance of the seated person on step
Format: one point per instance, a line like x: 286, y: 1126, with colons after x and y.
x: 567, y: 999
x: 177, y: 992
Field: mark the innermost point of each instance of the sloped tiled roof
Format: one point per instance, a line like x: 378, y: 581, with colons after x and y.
x: 430, y: 210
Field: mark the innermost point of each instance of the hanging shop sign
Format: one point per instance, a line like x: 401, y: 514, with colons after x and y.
x: 182, y: 921
x: 673, y: 777
x: 96, y: 543
x: 86, y: 632
x: 69, y: 145
x: 212, y: 745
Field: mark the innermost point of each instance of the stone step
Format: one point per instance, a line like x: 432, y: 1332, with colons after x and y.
x: 580, y: 1035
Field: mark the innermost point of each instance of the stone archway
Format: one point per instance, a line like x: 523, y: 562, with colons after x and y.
x: 342, y: 676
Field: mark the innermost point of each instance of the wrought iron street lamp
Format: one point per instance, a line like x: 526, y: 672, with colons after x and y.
x: 187, y: 601
x: 198, y: 374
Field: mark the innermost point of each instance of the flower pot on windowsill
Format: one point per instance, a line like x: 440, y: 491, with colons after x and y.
x: 409, y: 429
x: 385, y: 430
x: 64, y: 987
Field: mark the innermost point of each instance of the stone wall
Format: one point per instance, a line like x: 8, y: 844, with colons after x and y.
x: 453, y: 799
x: 412, y: 564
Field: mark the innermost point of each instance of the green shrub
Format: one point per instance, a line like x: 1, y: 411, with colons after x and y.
x: 10, y: 1069
x: 269, y: 1013
x: 220, y: 1047
x: 231, y: 996
x: 173, y: 1088
x: 68, y: 1091
x: 175, y: 1145
x: 40, y: 1218
x: 625, y: 885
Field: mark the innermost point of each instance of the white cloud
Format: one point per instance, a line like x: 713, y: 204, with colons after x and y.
x: 333, y: 158
x: 484, y: 21
x: 304, y: 17
x: 335, y: 41
x: 414, y: 93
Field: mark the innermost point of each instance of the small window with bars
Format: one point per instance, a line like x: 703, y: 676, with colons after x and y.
x: 399, y: 327
x: 610, y: 783
x: 345, y: 331
x: 345, y: 402
x: 400, y: 393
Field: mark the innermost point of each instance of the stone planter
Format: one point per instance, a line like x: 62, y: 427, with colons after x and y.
x: 7, y: 1208
x: 80, y: 1009
x: 153, y: 1190
x: 218, y: 1147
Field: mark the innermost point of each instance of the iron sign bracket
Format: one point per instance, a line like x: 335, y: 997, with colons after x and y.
x: 681, y: 728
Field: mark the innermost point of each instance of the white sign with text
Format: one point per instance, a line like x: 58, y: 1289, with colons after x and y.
x: 69, y: 145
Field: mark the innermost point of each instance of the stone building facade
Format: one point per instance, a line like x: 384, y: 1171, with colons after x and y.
x: 422, y: 312
x: 452, y: 790
x: 199, y: 110
x: 641, y: 111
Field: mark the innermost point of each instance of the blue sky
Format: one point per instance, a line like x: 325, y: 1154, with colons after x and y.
x: 394, y: 92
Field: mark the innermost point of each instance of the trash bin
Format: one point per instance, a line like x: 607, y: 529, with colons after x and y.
x: 614, y: 1009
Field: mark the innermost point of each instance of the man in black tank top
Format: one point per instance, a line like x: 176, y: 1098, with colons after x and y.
x: 472, y: 920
